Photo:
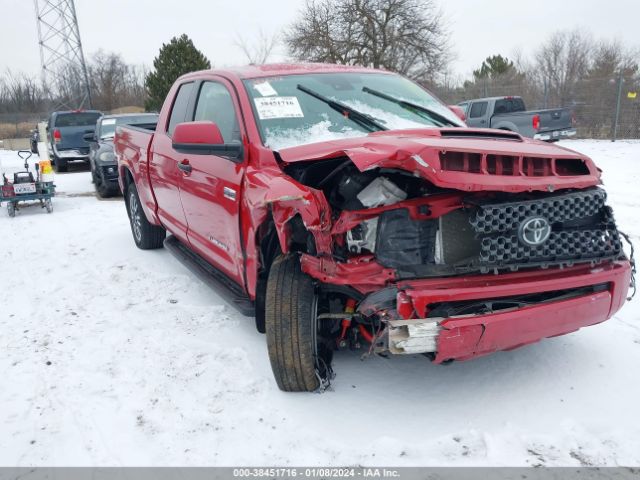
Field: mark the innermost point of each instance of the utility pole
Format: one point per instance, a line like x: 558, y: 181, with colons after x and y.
x: 617, y: 114
x: 61, y: 55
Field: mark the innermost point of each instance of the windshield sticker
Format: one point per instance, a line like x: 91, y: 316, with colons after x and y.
x: 265, y: 89
x: 109, y: 121
x: 278, y: 107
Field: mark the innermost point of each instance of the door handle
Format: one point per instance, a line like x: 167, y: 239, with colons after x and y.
x: 185, y: 166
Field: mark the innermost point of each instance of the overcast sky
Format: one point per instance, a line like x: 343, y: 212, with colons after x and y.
x: 137, y: 28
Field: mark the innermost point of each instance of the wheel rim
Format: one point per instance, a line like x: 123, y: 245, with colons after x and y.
x: 136, y: 219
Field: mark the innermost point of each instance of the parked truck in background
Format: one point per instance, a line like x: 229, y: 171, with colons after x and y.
x: 102, y: 160
x: 65, y: 132
x: 345, y: 207
x: 510, y: 113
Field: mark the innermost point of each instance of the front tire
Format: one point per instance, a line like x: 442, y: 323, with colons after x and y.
x: 146, y: 235
x: 300, y: 362
x: 102, y: 189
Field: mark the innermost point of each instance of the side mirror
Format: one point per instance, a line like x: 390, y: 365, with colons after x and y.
x: 459, y: 112
x: 203, y: 138
x: 89, y: 137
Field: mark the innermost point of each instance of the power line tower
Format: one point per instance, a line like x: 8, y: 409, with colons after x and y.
x: 64, y: 70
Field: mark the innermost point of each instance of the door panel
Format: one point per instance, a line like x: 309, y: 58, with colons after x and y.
x: 166, y: 178
x: 210, y: 192
x: 210, y: 195
x: 478, y: 115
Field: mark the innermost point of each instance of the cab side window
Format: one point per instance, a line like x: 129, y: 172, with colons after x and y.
x: 179, y: 109
x: 478, y: 109
x: 216, y: 105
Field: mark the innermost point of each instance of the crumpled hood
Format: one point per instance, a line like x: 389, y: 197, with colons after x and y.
x: 419, y: 151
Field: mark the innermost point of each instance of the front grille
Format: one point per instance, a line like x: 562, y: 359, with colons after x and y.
x: 506, y: 216
x: 572, y: 245
x: 491, y: 236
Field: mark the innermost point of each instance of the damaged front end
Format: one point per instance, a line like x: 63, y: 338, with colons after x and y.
x: 453, y: 254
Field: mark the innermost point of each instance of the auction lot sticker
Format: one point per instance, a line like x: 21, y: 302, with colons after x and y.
x: 278, y: 107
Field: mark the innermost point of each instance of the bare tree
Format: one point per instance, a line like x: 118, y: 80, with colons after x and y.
x: 258, y: 51
x: 597, y: 92
x: 405, y: 36
x: 20, y: 93
x: 561, y: 62
x: 108, y: 76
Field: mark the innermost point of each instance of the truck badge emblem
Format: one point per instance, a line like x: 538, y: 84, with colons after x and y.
x: 534, y: 231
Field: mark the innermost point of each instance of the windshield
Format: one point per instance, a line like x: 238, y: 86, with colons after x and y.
x: 108, y: 125
x: 288, y: 115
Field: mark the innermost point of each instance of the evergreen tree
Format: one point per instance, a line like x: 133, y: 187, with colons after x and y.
x: 176, y: 58
x: 493, y: 67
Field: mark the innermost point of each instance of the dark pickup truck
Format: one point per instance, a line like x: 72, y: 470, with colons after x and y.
x: 104, y: 168
x: 66, y: 136
x: 510, y: 113
x: 345, y: 207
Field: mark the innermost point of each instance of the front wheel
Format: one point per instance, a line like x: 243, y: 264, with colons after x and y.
x: 300, y: 358
x: 146, y: 235
x: 102, y: 189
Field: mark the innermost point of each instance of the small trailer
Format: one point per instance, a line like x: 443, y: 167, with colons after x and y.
x: 27, y: 189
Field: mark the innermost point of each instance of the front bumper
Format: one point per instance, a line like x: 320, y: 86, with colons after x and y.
x: 71, y: 154
x: 555, y: 134
x: 109, y: 174
x: 468, y: 336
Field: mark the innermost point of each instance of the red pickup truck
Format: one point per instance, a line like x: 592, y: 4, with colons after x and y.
x: 346, y: 207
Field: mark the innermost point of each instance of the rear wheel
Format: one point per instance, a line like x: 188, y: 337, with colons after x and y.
x: 146, y: 235
x: 11, y: 209
x: 60, y: 165
x: 300, y: 357
x: 48, y: 204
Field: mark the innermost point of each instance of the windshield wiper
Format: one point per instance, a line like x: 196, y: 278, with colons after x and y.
x: 364, y: 120
x: 414, y: 107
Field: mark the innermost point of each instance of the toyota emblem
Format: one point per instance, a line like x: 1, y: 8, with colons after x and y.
x: 534, y: 231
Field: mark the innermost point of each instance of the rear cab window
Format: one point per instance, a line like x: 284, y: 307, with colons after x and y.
x: 509, y: 105
x: 77, y: 119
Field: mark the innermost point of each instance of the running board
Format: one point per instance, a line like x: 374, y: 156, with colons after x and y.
x: 214, y: 278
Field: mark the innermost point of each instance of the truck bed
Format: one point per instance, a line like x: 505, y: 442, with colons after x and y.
x: 550, y: 119
x: 131, y: 146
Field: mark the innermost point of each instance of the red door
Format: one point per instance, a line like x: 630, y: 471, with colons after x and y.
x: 166, y: 178
x: 210, y: 191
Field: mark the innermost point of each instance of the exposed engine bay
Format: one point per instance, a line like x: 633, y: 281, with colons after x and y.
x: 480, y: 232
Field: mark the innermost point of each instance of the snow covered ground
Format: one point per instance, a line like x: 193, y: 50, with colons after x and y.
x: 114, y: 356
